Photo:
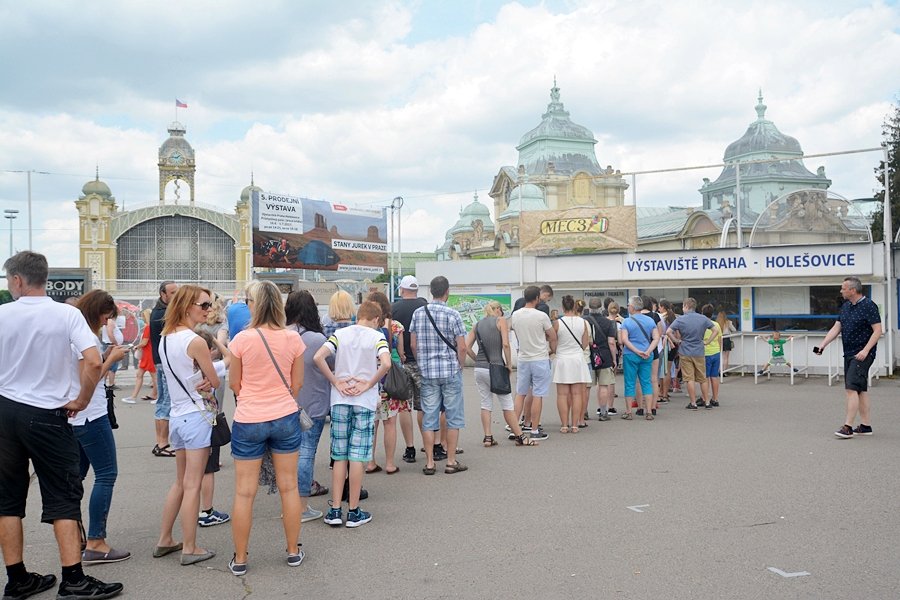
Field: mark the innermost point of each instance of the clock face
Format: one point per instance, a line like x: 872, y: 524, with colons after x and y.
x: 176, y: 158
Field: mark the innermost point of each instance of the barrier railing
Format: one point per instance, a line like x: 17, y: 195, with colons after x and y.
x: 793, y: 368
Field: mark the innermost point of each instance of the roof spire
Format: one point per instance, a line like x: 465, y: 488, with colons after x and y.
x: 251, y: 177
x: 476, y: 196
x: 555, y: 108
x: 760, y: 107
x: 96, y: 171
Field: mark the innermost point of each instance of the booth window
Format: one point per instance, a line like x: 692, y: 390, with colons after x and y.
x: 800, y: 308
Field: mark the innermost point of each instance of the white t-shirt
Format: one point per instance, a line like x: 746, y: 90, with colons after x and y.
x: 37, y: 335
x: 97, y: 406
x: 173, y: 350
x: 356, y: 354
x: 117, y: 332
x: 530, y: 325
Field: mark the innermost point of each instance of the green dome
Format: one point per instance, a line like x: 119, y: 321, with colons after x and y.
x: 476, y: 211
x: 95, y: 186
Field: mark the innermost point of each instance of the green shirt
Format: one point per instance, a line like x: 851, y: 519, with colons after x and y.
x: 777, y: 348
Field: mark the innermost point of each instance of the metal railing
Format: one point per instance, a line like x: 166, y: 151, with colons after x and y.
x: 792, y: 367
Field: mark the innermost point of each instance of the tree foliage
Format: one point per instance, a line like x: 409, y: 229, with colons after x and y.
x: 891, y: 133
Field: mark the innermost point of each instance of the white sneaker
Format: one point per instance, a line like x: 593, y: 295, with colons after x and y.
x: 129, y: 400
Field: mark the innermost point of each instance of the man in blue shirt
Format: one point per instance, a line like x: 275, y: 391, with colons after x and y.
x: 688, y: 332
x: 859, y: 326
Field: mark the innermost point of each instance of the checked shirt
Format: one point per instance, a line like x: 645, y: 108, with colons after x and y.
x: 436, y: 360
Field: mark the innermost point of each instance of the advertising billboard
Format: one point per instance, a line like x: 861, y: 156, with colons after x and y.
x: 582, y: 229
x: 290, y: 232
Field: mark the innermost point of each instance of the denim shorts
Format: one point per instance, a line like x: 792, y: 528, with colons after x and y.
x: 352, y: 432
x: 249, y: 441
x: 163, y: 401
x: 713, y: 363
x: 533, y: 375
x: 191, y: 431
x: 446, y: 392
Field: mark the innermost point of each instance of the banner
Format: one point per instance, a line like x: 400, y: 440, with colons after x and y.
x: 290, y: 232
x: 581, y: 229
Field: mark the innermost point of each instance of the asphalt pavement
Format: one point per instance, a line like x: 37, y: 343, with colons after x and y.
x: 755, y: 499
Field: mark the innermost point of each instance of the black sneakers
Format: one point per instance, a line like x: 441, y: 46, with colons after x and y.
x: 36, y: 584
x: 410, y: 455
x: 845, y: 432
x: 691, y: 407
x: 714, y: 403
x: 701, y: 403
x: 89, y: 587
x: 863, y: 430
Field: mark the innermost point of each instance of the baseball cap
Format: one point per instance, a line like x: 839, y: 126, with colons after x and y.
x: 409, y: 283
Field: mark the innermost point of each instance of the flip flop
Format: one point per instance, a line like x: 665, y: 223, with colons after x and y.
x: 161, y: 551
x: 377, y: 469
x: 396, y: 469
x: 148, y: 398
x: 164, y: 451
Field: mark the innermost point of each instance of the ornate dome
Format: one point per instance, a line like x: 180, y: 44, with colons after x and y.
x: 762, y: 137
x: 176, y: 144
x: 245, y: 193
x: 471, y: 213
x: 532, y: 198
x: 555, y: 123
x: 95, y: 186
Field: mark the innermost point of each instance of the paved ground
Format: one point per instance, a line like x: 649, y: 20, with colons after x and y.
x: 728, y: 494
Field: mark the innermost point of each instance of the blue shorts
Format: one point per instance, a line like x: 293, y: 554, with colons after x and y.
x: 249, y: 441
x: 191, y: 431
x: 352, y: 432
x: 534, y: 375
x: 446, y: 393
x: 636, y: 369
x: 713, y: 363
x: 163, y: 401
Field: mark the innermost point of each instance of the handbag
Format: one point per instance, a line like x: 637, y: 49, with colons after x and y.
x: 221, y: 433
x: 111, y: 407
x: 304, y: 419
x: 397, y: 384
x: 596, y: 359
x: 499, y: 373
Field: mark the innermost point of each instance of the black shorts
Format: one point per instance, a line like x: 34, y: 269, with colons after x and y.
x: 45, y: 437
x: 212, y: 465
x: 856, y: 373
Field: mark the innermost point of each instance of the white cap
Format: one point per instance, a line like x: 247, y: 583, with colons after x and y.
x: 409, y: 283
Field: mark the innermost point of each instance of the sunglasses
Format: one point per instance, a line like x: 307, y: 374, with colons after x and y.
x: 204, y: 305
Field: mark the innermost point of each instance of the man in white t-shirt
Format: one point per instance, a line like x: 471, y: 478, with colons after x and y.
x: 361, y: 358
x: 537, y: 341
x: 36, y: 340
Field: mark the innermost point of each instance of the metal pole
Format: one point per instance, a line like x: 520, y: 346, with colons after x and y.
x: 888, y: 263
x: 633, y: 190
x: 29, y: 210
x: 737, y: 201
x: 521, y: 250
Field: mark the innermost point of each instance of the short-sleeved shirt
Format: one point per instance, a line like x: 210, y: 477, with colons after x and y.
x: 712, y: 347
x: 603, y: 330
x: 435, y: 358
x: 402, y: 312
x: 692, y: 326
x: 315, y: 395
x: 530, y: 325
x: 856, y: 325
x: 777, y: 348
x: 37, y: 335
x: 264, y: 396
x: 357, y: 350
x: 238, y: 316
x: 97, y: 407
x: 639, y: 338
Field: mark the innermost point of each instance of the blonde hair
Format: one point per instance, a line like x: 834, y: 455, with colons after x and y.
x: 613, y: 307
x: 340, y: 307
x: 722, y: 320
x: 493, y: 309
x: 216, y: 314
x: 177, y: 310
x: 268, y: 307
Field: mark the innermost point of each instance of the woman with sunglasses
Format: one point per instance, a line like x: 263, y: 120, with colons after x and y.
x: 191, y: 419
x: 266, y: 374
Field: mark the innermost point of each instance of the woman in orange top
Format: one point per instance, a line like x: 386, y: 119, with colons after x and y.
x: 266, y: 374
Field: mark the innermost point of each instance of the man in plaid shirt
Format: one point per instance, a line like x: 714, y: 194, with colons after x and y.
x: 437, y: 337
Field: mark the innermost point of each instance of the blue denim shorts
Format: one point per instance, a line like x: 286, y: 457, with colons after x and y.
x: 191, y: 431
x: 713, y: 362
x: 163, y: 401
x: 534, y: 375
x: 249, y: 441
x: 446, y: 392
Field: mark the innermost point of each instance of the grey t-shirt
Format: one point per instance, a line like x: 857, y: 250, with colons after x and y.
x: 692, y: 326
x: 315, y: 395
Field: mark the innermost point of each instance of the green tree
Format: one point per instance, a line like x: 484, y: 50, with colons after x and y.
x: 5, y: 296
x: 891, y: 132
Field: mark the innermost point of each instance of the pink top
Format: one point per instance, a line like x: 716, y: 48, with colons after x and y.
x: 264, y: 396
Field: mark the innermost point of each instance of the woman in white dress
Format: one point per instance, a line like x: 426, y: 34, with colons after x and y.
x: 570, y: 371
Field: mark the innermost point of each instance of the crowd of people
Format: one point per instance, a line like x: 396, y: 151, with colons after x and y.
x: 290, y: 373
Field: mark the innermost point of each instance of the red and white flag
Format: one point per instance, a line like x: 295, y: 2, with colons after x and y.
x: 179, y: 104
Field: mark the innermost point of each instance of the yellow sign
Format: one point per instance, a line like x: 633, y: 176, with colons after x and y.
x: 595, y: 224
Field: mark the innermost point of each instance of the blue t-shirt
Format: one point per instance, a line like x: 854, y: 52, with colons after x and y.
x: 638, y: 338
x: 856, y: 325
x: 692, y: 326
x: 238, y: 315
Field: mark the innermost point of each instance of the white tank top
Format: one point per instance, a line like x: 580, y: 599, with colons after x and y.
x: 177, y: 364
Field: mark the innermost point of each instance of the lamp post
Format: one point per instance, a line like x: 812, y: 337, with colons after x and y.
x: 396, y: 205
x: 11, y: 213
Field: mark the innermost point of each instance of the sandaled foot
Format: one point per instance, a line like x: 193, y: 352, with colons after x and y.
x: 391, y: 471
x: 524, y: 440
x: 574, y: 430
x: 456, y: 467
x: 488, y: 441
x: 627, y: 416
x: 564, y: 429
x: 429, y: 470
x: 375, y: 469
x: 164, y: 451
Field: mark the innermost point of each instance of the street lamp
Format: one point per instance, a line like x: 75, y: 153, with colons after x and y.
x: 11, y: 213
x: 396, y: 268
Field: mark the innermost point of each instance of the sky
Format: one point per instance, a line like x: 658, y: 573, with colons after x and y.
x: 357, y: 101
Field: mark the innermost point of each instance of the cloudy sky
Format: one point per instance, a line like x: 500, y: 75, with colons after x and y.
x: 361, y: 101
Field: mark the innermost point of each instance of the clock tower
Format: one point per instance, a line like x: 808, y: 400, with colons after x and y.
x: 176, y: 163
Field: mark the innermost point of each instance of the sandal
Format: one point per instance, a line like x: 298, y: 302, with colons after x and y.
x: 375, y: 469
x: 574, y: 429
x: 523, y: 440
x: 317, y: 489
x: 489, y: 441
x: 456, y: 467
x: 429, y: 470
x: 164, y: 451
x: 649, y: 417
x: 564, y: 429
x: 627, y: 416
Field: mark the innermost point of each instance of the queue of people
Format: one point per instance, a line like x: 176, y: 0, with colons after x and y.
x: 289, y: 373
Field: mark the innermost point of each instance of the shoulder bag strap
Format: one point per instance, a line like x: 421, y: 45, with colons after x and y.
x: 441, y: 335
x: 178, y: 379
x: 272, y: 356
x: 482, y: 346
x: 577, y: 341
x: 644, y: 331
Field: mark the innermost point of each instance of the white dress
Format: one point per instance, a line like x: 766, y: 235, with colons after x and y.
x: 569, y: 365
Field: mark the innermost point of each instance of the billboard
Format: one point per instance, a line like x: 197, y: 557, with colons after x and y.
x: 582, y: 229
x: 290, y: 232
x: 471, y: 300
